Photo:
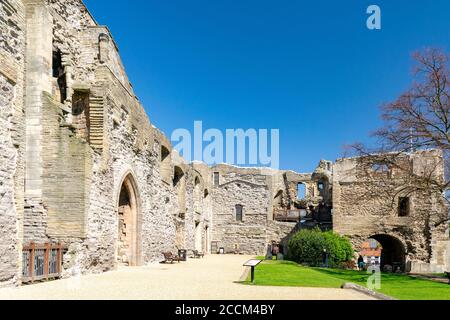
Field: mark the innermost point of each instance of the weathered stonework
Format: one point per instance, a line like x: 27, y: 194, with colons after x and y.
x: 365, y: 205
x: 12, y: 143
x: 81, y: 164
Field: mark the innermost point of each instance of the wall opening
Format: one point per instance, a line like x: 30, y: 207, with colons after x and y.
x: 301, y: 191
x: 403, y: 206
x: 321, y: 188
x: 59, y: 75
x: 393, y: 254
x: 128, y: 251
x: 178, y: 175
x: 197, y: 196
x: 216, y: 178
x: 180, y: 184
x: 380, y: 168
x: 165, y: 167
x: 80, y: 114
x: 239, y: 212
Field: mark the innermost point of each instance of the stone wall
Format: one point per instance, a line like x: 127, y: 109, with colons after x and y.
x: 366, y: 204
x: 254, y: 189
x: 12, y: 143
x: 78, y: 177
x: 246, y: 236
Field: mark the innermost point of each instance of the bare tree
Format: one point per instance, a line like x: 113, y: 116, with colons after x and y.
x: 418, y: 120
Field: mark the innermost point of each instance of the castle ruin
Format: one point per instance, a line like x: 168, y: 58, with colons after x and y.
x: 81, y: 164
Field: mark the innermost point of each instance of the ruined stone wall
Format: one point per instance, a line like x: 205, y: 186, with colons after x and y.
x: 258, y: 190
x: 12, y: 141
x: 365, y: 204
x: 254, y: 189
x: 246, y: 236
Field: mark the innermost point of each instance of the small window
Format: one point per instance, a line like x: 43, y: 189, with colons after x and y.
x: 216, y: 179
x: 239, y: 212
x: 403, y: 207
x: 321, y: 187
x: 380, y: 168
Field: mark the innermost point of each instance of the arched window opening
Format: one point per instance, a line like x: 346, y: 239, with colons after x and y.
x: 177, y: 176
x: 197, y: 195
x: 180, y: 184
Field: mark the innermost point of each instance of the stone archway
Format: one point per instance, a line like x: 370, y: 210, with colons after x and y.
x: 393, y: 251
x: 128, y: 249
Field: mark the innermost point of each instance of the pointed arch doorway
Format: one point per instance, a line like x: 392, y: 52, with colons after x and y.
x: 128, y: 249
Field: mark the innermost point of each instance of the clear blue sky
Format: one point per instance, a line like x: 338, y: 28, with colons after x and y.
x: 309, y: 68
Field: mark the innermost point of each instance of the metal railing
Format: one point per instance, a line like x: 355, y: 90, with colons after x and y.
x: 41, y: 262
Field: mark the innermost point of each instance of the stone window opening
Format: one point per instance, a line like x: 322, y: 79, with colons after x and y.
x: 216, y: 179
x: 206, y: 193
x: 321, y: 188
x: 301, y: 191
x: 177, y: 176
x: 59, y: 75
x: 165, y: 167
x: 403, y: 206
x: 381, y: 168
x: 80, y: 113
x: 197, y: 195
x: 239, y: 212
x: 179, y: 182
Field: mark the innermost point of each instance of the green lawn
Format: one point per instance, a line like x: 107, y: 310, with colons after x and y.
x: 287, y: 273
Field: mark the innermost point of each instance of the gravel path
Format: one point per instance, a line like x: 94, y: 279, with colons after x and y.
x: 210, y: 278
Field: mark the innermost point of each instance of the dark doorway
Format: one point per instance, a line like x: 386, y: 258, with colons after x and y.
x: 128, y: 250
x: 393, y: 252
